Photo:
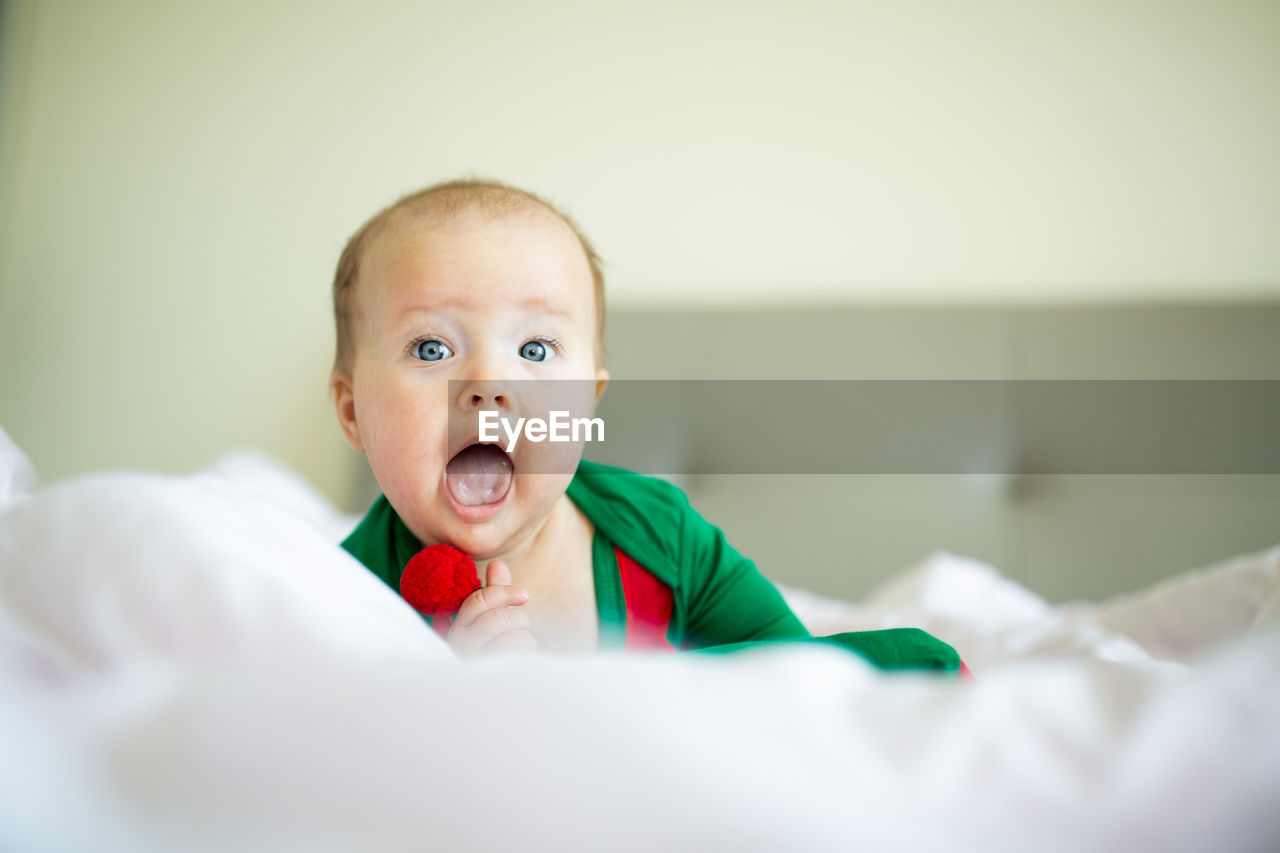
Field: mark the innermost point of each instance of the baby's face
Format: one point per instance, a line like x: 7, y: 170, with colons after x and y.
x: 489, y: 302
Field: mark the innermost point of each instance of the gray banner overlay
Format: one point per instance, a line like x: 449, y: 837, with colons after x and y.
x: 694, y: 427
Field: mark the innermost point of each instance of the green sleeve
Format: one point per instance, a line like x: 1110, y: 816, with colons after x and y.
x: 726, y: 599
x: 887, y: 649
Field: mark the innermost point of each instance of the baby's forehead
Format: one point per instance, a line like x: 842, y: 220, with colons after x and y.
x: 411, y: 242
x: 417, y: 231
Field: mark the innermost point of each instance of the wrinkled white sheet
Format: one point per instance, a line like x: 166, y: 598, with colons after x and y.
x: 191, y: 663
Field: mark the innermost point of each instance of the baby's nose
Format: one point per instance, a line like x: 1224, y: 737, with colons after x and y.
x: 481, y: 401
x: 485, y: 394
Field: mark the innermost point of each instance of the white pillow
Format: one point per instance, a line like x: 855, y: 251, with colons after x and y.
x: 118, y: 569
x: 1190, y: 614
x: 268, y: 478
x: 17, y: 476
x: 988, y: 618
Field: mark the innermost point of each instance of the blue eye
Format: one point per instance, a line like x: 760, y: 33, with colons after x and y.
x: 534, y: 351
x: 431, y: 350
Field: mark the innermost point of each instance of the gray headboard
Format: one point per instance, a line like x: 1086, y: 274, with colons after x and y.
x: 1065, y: 536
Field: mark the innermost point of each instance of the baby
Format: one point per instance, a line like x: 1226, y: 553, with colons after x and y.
x: 490, y: 286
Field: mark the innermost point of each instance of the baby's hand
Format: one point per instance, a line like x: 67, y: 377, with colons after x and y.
x: 488, y: 620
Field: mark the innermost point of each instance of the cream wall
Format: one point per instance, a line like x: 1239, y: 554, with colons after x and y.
x: 179, y: 177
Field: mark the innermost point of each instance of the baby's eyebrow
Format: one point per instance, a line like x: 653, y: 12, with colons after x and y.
x: 412, y: 311
x: 543, y: 306
x: 533, y: 303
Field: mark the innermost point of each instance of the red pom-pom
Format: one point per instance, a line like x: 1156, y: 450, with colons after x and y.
x: 437, y: 579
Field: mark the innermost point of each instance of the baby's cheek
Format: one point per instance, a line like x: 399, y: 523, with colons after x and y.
x: 401, y: 442
x: 544, y: 489
x: 393, y: 410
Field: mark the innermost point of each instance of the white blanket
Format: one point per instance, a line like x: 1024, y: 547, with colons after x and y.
x: 193, y: 664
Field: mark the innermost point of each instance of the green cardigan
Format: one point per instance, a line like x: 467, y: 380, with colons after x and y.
x: 718, y: 595
x: 720, y: 601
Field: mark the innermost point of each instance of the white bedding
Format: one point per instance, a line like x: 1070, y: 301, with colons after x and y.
x: 192, y: 663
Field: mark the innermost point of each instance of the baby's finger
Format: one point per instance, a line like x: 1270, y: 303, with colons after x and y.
x: 474, y: 639
x: 497, y: 573
x: 491, y: 623
x: 522, y: 642
x: 489, y: 598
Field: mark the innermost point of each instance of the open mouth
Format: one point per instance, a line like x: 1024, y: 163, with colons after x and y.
x: 479, y: 475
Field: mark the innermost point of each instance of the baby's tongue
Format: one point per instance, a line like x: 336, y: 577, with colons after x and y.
x: 479, y: 474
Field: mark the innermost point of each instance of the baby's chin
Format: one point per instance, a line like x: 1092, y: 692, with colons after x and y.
x: 480, y: 541
x: 519, y: 518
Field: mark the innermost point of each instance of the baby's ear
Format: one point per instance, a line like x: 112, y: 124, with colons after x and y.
x: 602, y: 379
x: 344, y: 402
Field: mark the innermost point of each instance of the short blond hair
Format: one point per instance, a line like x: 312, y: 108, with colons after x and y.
x: 436, y: 204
